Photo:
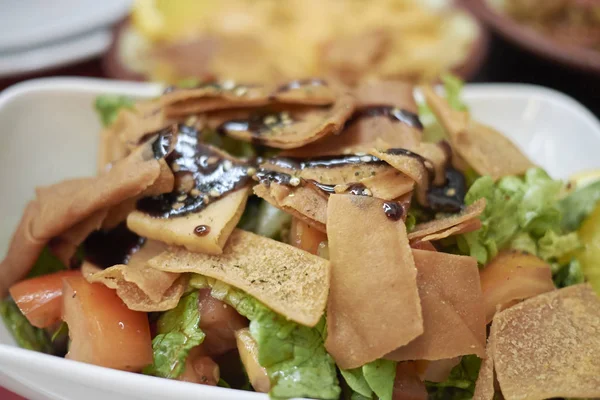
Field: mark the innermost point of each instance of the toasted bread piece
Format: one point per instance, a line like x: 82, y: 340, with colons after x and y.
x: 290, y: 281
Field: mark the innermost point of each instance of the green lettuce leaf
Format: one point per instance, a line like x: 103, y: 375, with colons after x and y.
x: 570, y: 274
x: 522, y: 213
x: 380, y: 375
x: 178, y: 333
x: 357, y: 382
x: 25, y: 334
x: 271, y: 222
x: 47, y: 263
x: 578, y: 205
x: 293, y: 355
x: 553, y: 246
x: 108, y: 105
x: 460, y: 385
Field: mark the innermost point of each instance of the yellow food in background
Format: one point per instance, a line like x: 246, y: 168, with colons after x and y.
x: 290, y: 37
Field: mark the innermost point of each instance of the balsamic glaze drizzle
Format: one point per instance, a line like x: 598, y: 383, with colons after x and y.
x: 214, y: 176
x: 393, y: 113
x: 324, y: 162
x: 450, y: 197
x: 105, y: 249
x: 393, y: 210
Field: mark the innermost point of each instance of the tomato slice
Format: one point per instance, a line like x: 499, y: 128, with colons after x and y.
x: 40, y: 298
x: 513, y: 276
x: 305, y: 237
x: 102, y: 329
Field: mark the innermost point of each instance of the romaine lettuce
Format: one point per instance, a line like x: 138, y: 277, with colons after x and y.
x: 293, y: 355
x: 178, y: 333
x: 578, y: 205
x: 460, y: 385
x: 376, y: 377
x: 25, y: 334
x: 521, y: 213
x: 107, y: 106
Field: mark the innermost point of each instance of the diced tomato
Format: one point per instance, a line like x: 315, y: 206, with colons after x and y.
x: 513, y: 276
x: 305, y: 237
x: 200, y: 368
x: 218, y: 321
x: 408, y: 385
x: 40, y: 299
x: 102, y: 329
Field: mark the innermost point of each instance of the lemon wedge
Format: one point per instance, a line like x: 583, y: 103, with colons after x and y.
x: 589, y: 257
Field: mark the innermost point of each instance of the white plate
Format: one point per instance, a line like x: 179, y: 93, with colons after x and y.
x: 50, y: 132
x: 55, y: 54
x: 32, y: 23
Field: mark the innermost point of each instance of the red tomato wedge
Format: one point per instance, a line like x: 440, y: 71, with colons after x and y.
x: 40, y: 299
x: 102, y: 329
x: 513, y: 276
x: 305, y: 237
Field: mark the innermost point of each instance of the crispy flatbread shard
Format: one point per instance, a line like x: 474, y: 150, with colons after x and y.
x: 549, y: 345
x: 453, y: 312
x: 302, y: 202
x: 411, y: 166
x: 466, y: 221
x: 63, y: 205
x: 486, y: 150
x: 290, y: 281
x: 484, y: 387
x: 300, y: 126
x: 215, y: 96
x: 373, y: 305
x: 140, y: 287
x: 220, y: 217
x: 65, y: 245
x: 362, y: 130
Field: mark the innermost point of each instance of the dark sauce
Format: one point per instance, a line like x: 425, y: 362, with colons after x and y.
x: 300, y: 83
x: 214, y: 176
x: 266, y: 177
x: 324, y: 162
x: 358, y: 189
x: 393, y: 210
x: 202, y: 230
x: 258, y: 123
x: 393, y: 113
x: 327, y: 189
x: 113, y: 247
x: 162, y: 141
x: 450, y: 197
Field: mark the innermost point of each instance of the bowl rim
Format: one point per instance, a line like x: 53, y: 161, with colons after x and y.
x: 535, y: 42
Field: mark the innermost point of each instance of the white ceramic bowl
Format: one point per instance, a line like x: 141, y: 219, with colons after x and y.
x: 50, y: 132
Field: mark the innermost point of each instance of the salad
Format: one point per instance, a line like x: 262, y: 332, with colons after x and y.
x: 307, y: 239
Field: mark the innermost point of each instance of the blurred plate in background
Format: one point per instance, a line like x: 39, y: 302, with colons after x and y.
x: 492, y: 13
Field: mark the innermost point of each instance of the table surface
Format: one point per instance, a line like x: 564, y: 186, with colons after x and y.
x: 505, y: 63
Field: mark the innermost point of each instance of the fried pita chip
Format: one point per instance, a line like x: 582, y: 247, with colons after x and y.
x: 65, y: 245
x: 290, y: 281
x: 63, y: 205
x: 302, y: 202
x: 396, y: 93
x: 389, y: 184
x: 484, y: 386
x: 373, y: 305
x: 453, y: 313
x: 218, y: 220
x: 140, y: 287
x: 466, y: 221
x: 486, y: 150
x: 549, y: 345
x: 228, y: 95
x: 294, y: 127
